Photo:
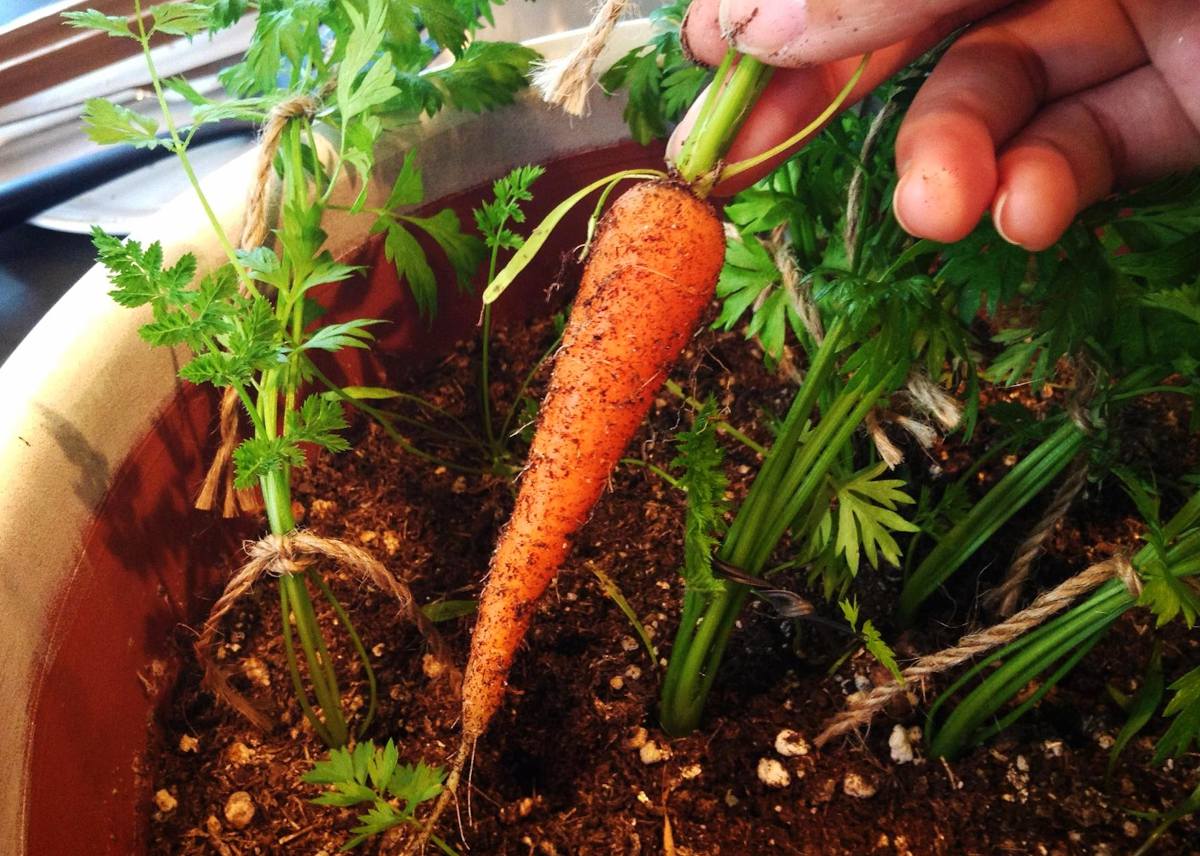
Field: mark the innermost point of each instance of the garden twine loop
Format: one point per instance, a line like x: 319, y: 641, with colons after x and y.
x: 295, y: 553
x: 860, y: 712
x: 255, y: 229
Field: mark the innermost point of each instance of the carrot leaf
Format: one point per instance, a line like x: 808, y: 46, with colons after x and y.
x: 492, y: 217
x: 614, y: 593
x: 1184, y: 706
x: 871, y: 638
x: 114, y: 25
x: 484, y: 76
x: 661, y: 80
x: 181, y: 19
x: 402, y: 250
x: 108, y: 123
x: 1140, y: 709
x: 704, y: 482
x: 867, y: 517
x: 464, y: 250
x: 374, y: 776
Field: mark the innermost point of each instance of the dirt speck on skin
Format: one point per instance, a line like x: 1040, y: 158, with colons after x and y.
x: 562, y: 769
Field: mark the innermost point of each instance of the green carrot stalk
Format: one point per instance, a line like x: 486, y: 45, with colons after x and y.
x: 782, y: 493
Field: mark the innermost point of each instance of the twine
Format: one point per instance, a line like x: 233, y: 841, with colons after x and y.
x: 565, y: 82
x: 860, y: 713
x: 221, y: 468
x: 929, y: 398
x: 795, y: 289
x: 1004, y: 598
x: 888, y: 451
x: 276, y: 555
x: 797, y: 293
x: 255, y: 229
x: 854, y: 208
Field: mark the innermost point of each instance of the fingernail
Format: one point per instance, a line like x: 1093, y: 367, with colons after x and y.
x: 762, y: 28
x: 997, y: 215
x: 896, y: 194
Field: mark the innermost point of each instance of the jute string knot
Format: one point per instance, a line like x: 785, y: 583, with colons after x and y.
x: 565, y: 82
x: 276, y: 555
x: 255, y: 229
x: 1128, y: 575
x: 862, y: 710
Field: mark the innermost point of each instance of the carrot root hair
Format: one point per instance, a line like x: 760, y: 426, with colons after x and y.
x: 449, y: 792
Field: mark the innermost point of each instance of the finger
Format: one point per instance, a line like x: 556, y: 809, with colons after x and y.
x: 700, y: 34
x: 792, y: 99
x: 799, y: 33
x: 1170, y: 30
x: 1076, y: 151
x: 988, y: 85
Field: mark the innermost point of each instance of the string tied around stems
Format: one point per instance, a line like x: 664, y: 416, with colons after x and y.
x: 255, y: 226
x: 295, y: 553
x: 862, y: 711
x: 255, y: 230
x: 279, y: 554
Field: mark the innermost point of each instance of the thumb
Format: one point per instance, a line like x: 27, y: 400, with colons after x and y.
x: 799, y: 33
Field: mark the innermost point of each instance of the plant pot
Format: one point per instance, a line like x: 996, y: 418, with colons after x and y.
x: 103, y: 448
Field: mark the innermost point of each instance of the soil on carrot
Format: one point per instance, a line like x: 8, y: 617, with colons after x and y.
x: 574, y: 763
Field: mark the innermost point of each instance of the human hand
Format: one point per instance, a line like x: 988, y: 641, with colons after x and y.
x: 1041, y: 108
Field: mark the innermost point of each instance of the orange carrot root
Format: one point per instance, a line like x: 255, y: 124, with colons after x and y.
x: 652, y: 270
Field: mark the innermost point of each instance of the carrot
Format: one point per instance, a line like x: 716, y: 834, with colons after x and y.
x: 652, y: 270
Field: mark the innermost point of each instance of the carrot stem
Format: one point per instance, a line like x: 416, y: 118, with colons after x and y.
x: 296, y: 603
x: 289, y: 650
x: 707, y: 106
x: 708, y: 616
x: 359, y: 649
x: 808, y: 130
x: 788, y: 483
x: 739, y: 81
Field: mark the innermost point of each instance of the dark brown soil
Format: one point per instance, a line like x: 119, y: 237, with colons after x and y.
x: 562, y: 770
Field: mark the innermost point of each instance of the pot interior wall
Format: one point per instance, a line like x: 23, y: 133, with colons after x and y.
x: 150, y: 566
